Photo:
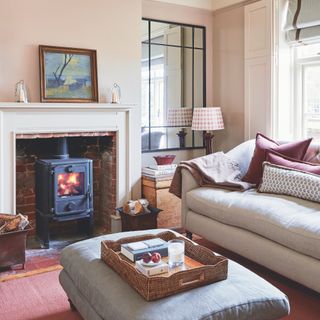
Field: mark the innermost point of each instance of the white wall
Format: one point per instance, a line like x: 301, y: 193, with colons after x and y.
x: 112, y: 27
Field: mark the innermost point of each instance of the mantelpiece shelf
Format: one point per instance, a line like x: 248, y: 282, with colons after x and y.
x: 76, y: 106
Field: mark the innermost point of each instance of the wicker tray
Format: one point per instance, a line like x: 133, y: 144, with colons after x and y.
x: 208, y: 268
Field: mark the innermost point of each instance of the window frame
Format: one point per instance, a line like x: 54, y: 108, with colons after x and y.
x: 193, y: 47
x: 299, y: 113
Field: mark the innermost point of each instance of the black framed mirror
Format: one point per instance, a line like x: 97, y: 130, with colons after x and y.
x: 173, y: 83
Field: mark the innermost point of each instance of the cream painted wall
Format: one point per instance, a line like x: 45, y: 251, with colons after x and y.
x: 111, y: 27
x: 228, y: 74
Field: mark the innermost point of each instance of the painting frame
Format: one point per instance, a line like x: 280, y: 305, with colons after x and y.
x: 92, y: 92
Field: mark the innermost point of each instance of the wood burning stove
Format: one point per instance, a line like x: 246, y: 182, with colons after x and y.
x: 63, y: 191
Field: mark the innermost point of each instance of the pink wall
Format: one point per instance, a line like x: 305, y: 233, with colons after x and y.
x: 228, y: 74
x: 112, y: 27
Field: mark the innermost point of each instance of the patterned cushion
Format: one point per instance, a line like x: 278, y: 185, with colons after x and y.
x: 286, y: 181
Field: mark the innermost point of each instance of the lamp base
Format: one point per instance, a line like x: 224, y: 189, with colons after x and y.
x: 207, y: 138
x: 182, y: 138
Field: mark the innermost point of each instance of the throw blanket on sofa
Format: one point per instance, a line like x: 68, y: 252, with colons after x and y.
x: 213, y: 170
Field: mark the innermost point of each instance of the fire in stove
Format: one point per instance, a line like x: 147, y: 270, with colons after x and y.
x: 70, y: 184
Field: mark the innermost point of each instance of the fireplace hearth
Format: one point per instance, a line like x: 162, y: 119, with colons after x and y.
x: 64, y: 191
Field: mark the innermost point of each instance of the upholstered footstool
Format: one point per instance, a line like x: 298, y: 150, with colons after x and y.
x: 98, y: 292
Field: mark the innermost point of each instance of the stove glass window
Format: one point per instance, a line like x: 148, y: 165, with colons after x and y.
x: 70, y: 184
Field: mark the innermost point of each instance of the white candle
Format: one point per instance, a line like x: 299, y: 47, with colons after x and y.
x: 176, y: 252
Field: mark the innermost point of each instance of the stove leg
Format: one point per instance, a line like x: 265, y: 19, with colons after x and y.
x: 43, y: 230
x: 46, y: 233
x: 90, y: 226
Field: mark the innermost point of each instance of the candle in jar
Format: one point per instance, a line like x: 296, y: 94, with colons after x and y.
x: 176, y: 253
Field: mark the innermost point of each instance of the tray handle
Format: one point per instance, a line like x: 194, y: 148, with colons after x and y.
x: 187, y: 283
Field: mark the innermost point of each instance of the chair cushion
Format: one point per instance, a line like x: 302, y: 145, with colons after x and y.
x: 290, y: 221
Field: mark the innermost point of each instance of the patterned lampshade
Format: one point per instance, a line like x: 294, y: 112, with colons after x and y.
x: 179, y: 117
x: 207, y: 119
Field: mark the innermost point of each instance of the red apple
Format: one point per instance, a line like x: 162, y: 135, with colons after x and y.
x: 146, y: 257
x: 156, y: 257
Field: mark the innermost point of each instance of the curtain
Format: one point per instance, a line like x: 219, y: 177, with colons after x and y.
x: 303, y: 21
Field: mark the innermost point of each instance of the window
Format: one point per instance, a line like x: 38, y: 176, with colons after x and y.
x: 307, y: 93
x: 173, y: 76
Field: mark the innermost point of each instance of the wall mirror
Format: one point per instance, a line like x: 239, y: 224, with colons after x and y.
x: 173, y: 83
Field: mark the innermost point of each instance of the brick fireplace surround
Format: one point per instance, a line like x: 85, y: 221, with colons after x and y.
x: 98, y: 146
x: 100, y: 132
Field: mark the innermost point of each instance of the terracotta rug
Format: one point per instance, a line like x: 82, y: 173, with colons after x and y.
x: 39, y: 297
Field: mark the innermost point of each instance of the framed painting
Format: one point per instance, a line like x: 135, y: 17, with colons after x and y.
x: 68, y: 74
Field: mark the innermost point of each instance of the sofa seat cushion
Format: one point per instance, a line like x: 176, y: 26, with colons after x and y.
x: 292, y: 222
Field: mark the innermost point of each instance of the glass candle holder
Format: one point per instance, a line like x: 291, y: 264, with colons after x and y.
x: 176, y: 253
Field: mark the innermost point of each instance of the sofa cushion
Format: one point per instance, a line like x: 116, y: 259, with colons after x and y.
x: 292, y: 222
x: 282, y: 180
x: 296, y: 150
x: 281, y: 160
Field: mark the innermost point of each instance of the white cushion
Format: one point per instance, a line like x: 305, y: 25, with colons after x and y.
x: 292, y: 222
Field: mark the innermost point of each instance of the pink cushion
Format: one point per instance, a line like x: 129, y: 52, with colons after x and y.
x: 281, y: 160
x: 295, y: 150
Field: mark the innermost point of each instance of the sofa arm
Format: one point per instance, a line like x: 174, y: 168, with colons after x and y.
x: 188, y: 183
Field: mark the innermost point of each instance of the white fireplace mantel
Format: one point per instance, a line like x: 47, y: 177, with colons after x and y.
x: 18, y: 118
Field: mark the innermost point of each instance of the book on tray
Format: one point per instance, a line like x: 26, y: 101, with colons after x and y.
x: 152, y: 270
x: 135, y: 250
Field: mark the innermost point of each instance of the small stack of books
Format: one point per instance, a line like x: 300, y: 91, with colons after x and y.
x: 163, y: 171
x: 135, y: 250
x: 160, y: 268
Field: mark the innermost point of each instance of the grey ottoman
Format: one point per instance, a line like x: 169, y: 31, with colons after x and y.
x: 99, y: 293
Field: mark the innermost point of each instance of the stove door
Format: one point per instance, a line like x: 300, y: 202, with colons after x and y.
x: 72, y: 188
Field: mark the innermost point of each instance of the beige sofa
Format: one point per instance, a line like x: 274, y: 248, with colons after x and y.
x: 279, y: 232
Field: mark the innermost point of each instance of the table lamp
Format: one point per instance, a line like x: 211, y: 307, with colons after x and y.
x: 180, y: 117
x: 207, y: 119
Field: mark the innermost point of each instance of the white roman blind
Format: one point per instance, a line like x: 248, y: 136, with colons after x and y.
x: 303, y: 21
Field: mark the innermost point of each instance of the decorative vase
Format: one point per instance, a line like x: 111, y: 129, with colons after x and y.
x: 21, y: 94
x: 115, y: 93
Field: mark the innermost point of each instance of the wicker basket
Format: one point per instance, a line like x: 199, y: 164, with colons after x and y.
x: 213, y: 268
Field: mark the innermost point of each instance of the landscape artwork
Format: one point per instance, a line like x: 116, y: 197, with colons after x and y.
x: 68, y: 75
